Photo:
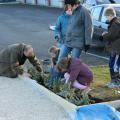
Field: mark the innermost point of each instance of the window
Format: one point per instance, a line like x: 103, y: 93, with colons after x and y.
x: 103, y: 19
x: 96, y: 13
x: 117, y: 11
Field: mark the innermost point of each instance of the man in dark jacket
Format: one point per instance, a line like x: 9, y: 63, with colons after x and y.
x: 79, y: 32
x: 112, y: 38
x: 13, y: 57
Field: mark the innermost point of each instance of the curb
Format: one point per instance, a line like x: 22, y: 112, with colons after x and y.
x: 69, y: 107
x: 115, y: 104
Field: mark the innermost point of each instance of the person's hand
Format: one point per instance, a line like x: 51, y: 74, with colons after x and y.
x: 104, y: 33
x: 57, y: 38
x: 87, y: 47
x: 16, y: 64
x: 27, y: 75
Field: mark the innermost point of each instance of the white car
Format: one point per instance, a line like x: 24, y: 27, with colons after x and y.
x: 99, y: 21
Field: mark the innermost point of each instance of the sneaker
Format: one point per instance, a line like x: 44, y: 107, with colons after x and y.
x: 112, y: 85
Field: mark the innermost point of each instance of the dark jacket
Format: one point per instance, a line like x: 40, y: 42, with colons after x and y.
x: 113, y: 36
x: 12, y: 55
x: 80, y: 29
x: 61, y: 27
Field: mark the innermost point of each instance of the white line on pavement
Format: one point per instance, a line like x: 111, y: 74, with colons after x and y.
x: 98, y: 56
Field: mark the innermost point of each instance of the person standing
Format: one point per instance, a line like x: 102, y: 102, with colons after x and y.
x: 112, y: 38
x: 62, y: 25
x: 79, y: 32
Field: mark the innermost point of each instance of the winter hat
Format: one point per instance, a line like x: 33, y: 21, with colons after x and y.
x: 71, y: 2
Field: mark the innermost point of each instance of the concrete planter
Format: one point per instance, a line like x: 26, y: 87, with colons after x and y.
x: 70, y: 106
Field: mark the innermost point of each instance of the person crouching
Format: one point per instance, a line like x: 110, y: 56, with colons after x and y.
x: 77, y: 73
x: 54, y: 73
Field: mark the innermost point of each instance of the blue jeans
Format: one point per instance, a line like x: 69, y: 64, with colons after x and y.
x: 65, y: 50
x: 114, y: 65
x: 114, y: 62
x: 55, y: 75
x: 59, y: 45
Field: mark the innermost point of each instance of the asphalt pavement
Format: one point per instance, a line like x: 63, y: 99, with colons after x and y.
x: 30, y: 24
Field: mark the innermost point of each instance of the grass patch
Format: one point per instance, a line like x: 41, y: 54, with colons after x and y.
x: 100, y: 90
x: 101, y: 76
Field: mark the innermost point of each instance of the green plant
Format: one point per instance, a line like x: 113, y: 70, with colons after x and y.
x: 59, y: 87
x: 36, y: 75
x: 56, y: 85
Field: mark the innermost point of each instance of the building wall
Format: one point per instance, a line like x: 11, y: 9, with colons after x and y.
x: 57, y: 3
x: 52, y: 3
x: 42, y: 2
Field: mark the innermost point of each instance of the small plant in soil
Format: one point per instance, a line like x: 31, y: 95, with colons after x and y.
x: 60, y: 88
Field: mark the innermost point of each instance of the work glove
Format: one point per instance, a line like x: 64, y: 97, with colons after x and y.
x: 87, y: 47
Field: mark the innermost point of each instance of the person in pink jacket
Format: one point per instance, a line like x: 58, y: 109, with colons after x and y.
x: 77, y: 73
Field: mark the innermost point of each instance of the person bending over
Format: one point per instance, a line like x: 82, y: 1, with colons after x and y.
x: 14, y: 56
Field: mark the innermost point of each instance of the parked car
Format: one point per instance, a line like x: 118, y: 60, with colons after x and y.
x: 99, y: 21
x: 90, y: 3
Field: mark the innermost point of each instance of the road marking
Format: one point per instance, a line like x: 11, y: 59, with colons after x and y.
x: 98, y: 56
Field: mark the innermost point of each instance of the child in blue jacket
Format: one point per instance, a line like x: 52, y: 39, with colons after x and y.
x: 62, y: 25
